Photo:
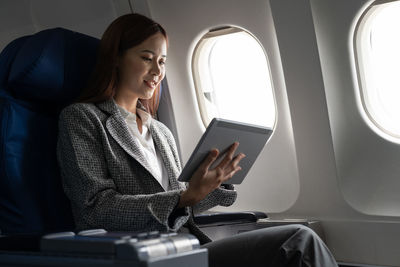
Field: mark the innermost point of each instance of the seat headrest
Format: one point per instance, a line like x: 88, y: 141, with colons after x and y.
x: 52, y: 66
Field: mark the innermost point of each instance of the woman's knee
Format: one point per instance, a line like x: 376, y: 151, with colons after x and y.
x: 285, y: 233
x: 302, y: 237
x: 295, y: 228
x: 305, y: 229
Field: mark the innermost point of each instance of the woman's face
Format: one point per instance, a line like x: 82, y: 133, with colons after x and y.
x: 142, y: 67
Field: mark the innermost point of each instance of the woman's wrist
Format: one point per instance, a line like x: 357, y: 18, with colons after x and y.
x: 187, y: 199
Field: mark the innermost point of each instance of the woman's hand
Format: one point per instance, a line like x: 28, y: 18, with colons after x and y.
x: 206, y: 180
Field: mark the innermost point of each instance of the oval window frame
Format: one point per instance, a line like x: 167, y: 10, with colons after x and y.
x: 202, y: 80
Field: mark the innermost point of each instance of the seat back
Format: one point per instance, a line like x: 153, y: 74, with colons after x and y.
x: 39, y: 75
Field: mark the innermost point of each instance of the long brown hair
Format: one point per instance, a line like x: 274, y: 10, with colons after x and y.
x: 123, y: 33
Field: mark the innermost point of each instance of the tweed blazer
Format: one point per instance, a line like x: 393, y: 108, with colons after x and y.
x: 109, y: 182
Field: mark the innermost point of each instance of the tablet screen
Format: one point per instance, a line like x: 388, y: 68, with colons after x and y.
x: 221, y: 134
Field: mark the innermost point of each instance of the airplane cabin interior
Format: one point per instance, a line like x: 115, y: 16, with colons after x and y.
x: 321, y: 75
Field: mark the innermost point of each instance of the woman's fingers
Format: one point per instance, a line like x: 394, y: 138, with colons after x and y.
x: 233, y: 167
x: 205, y: 180
x: 229, y: 156
x: 212, y: 156
x: 230, y: 174
x: 225, y: 169
x: 237, y: 159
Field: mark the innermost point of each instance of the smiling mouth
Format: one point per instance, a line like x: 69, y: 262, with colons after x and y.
x: 151, y: 84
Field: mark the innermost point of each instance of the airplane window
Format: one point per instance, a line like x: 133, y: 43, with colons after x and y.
x: 232, y: 78
x: 377, y: 51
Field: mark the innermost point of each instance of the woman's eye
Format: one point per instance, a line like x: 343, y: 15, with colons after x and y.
x: 146, y: 59
x: 162, y: 62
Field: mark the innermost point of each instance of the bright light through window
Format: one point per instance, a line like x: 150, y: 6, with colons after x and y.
x: 378, y: 52
x: 232, y: 78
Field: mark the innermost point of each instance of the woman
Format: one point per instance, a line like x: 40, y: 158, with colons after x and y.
x: 120, y: 166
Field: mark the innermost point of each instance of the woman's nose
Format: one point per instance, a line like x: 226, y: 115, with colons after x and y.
x: 156, y: 69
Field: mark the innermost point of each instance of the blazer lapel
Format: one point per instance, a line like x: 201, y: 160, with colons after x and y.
x: 118, y: 129
x: 163, y: 146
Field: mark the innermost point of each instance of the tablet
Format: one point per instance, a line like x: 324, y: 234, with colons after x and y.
x: 221, y: 134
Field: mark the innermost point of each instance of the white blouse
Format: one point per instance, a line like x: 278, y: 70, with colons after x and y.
x: 149, y: 150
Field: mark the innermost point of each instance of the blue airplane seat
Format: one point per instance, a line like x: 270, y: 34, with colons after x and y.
x: 39, y: 75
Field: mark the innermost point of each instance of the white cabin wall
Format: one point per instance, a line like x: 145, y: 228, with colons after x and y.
x: 313, y: 39
x: 320, y: 196
x: 368, y: 164
x: 24, y: 17
x: 272, y: 185
x: 366, y: 229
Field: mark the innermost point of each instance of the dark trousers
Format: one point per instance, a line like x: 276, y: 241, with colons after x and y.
x: 289, y: 246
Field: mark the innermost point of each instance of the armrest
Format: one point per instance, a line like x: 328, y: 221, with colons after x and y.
x: 229, y: 217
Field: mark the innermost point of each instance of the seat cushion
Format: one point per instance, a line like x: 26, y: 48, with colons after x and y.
x: 31, y: 195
